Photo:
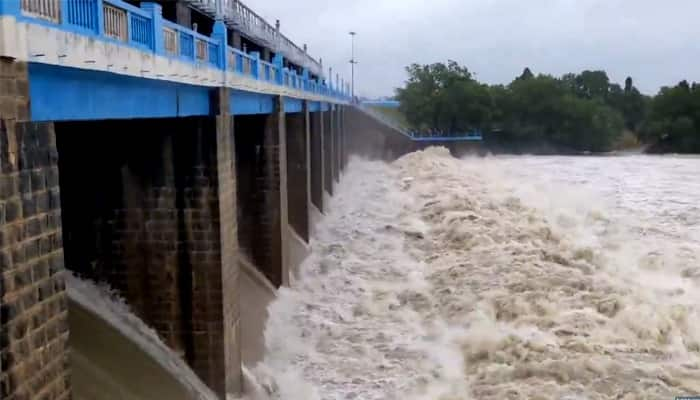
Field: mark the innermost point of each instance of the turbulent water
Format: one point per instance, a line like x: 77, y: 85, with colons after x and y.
x: 493, y: 278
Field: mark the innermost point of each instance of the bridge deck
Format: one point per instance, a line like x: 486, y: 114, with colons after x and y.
x: 104, y: 59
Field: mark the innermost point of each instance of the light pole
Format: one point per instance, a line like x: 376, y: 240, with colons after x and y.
x: 352, y: 66
x: 219, y: 10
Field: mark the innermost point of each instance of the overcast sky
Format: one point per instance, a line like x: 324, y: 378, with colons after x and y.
x: 657, y: 42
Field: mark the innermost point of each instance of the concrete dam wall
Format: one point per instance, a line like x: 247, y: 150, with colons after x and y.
x: 192, y: 222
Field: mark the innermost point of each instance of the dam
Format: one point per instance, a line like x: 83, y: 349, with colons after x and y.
x: 163, y: 168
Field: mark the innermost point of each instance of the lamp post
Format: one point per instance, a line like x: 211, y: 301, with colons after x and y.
x: 352, y: 66
x: 219, y: 10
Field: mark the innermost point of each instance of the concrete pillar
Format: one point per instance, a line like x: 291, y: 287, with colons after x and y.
x: 236, y: 40
x: 275, y: 186
x: 297, y: 172
x: 343, y: 155
x: 183, y: 14
x: 307, y: 150
x: 336, y: 143
x: 230, y: 270
x: 157, y: 223
x: 261, y: 165
x: 316, y: 159
x: 328, y: 141
x: 33, y: 302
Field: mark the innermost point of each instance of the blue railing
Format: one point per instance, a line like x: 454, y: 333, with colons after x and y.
x: 144, y: 28
x: 241, y: 62
x: 82, y: 14
x: 213, y: 50
x: 141, y: 30
x: 267, y: 71
x: 186, y: 45
x: 437, y: 136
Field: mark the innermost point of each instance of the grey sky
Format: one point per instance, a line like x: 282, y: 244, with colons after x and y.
x: 656, y: 42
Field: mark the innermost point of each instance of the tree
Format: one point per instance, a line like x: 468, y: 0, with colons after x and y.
x: 592, y: 84
x: 444, y: 97
x: 527, y: 74
x: 674, y: 118
x: 583, y: 112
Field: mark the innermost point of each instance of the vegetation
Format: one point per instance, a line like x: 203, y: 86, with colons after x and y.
x: 673, y: 122
x: 575, y: 112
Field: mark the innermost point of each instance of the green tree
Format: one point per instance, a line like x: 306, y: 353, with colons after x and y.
x: 584, y: 111
x: 527, y: 74
x: 420, y: 98
x: 674, y: 119
x: 592, y: 85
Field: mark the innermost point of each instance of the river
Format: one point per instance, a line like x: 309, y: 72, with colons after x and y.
x: 498, y: 277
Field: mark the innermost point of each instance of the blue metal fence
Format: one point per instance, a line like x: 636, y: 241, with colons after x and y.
x: 186, y: 45
x: 141, y: 31
x: 145, y: 29
x: 213, y: 49
x: 82, y: 14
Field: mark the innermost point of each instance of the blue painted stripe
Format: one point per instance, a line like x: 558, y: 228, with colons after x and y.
x: 246, y: 103
x: 292, y: 105
x: 314, y: 106
x: 60, y: 94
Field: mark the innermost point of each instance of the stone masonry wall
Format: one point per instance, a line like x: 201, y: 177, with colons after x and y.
x: 228, y: 226
x: 274, y: 186
x: 297, y: 177
x: 341, y: 137
x: 316, y: 155
x: 33, y: 303
x: 261, y: 164
x: 150, y: 226
x: 328, y: 165
x: 336, y: 143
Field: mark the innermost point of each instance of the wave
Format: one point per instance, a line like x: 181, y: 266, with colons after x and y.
x: 439, y: 278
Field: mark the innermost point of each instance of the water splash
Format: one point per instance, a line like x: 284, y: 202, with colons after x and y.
x: 439, y: 278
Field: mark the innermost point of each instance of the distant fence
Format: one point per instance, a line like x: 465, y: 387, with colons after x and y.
x: 145, y: 29
x: 427, y: 136
x: 381, y: 103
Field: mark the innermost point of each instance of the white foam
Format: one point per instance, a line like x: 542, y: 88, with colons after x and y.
x: 439, y: 278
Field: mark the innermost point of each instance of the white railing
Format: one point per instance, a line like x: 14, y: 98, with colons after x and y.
x: 246, y: 65
x: 252, y: 25
x: 115, y: 23
x: 170, y: 38
x: 202, y: 48
x: 205, y: 5
x: 231, y: 60
x: 44, y: 9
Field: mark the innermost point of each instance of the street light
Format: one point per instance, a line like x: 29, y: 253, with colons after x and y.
x: 219, y: 10
x: 352, y: 66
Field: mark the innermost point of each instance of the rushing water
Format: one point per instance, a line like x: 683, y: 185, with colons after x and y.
x: 492, y: 278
